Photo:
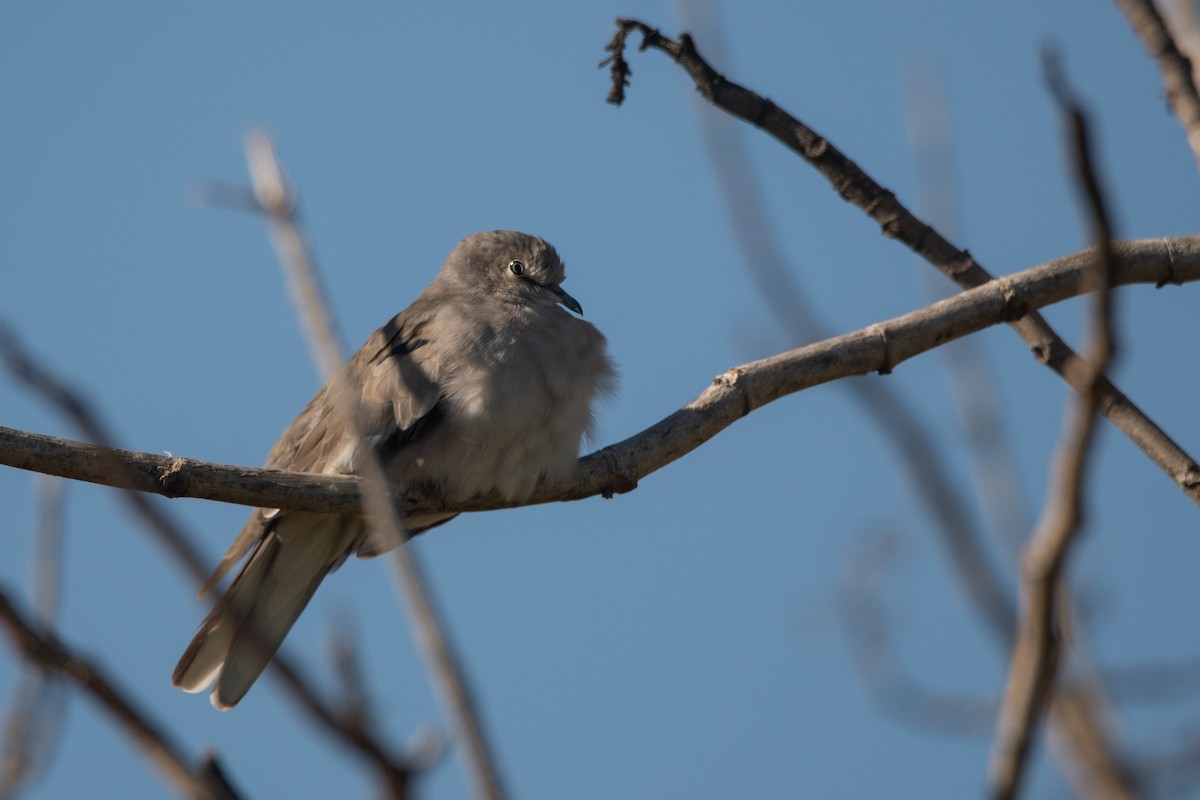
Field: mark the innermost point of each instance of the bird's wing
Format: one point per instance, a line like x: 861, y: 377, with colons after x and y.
x: 397, y: 397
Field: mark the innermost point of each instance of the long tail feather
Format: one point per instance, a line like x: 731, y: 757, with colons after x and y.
x: 246, y: 627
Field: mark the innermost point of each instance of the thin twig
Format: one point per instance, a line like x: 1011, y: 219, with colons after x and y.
x: 853, y: 184
x: 109, y: 466
x: 441, y: 663
x: 50, y: 654
x: 1175, y: 67
x: 618, y: 467
x: 1036, y: 653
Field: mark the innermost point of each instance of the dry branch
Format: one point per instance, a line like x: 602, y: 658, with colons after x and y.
x: 856, y: 186
x: 618, y: 467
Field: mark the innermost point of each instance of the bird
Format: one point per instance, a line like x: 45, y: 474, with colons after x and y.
x: 487, y: 382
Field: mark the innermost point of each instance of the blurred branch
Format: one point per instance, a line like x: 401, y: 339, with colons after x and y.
x: 1175, y: 67
x: 1036, y: 653
x: 34, y: 723
x: 1076, y: 710
x: 868, y: 632
x: 618, y: 467
x: 1184, y: 21
x: 48, y: 653
x: 895, y: 417
x: 1172, y: 769
x: 102, y: 460
x: 1087, y: 755
x: 1154, y: 683
x: 975, y: 387
x: 441, y: 663
x: 1081, y: 737
x: 347, y: 668
x: 853, y: 184
x: 112, y: 467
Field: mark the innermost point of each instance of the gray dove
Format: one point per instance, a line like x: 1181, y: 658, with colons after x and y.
x: 484, y: 384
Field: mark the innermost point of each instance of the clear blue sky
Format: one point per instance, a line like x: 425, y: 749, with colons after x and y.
x: 680, y: 641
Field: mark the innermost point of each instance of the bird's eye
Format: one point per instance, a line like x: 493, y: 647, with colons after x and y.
x: 516, y: 267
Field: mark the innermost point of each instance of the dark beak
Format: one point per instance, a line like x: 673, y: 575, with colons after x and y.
x: 564, y: 298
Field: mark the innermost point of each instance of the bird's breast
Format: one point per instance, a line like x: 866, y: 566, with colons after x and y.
x: 518, y: 404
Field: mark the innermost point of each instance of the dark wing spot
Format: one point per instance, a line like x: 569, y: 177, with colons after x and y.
x: 400, y: 347
x: 396, y: 440
x: 400, y: 339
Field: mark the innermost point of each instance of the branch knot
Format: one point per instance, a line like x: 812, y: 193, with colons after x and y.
x: 887, y: 362
x: 173, y: 479
x: 1171, y: 277
x: 1014, y: 309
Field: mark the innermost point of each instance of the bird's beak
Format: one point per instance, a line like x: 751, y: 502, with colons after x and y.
x: 564, y: 298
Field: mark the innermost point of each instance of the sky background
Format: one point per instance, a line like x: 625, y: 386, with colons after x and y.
x: 684, y: 640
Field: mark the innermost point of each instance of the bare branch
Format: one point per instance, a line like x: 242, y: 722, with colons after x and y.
x: 52, y: 655
x: 853, y: 184
x: 900, y: 422
x: 618, y: 467
x: 1036, y: 654
x: 102, y: 463
x: 1175, y: 67
x: 441, y: 663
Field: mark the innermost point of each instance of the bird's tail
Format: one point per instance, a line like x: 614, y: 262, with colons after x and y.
x: 250, y: 621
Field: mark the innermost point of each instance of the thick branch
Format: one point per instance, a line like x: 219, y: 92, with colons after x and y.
x: 618, y: 467
x: 859, y: 188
